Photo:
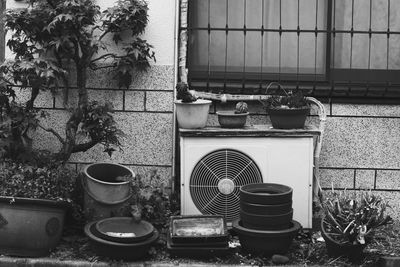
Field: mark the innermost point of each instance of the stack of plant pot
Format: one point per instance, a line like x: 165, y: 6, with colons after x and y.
x: 265, y: 224
x: 107, y: 191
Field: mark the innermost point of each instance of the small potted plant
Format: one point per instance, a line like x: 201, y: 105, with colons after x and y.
x: 191, y: 112
x: 234, y: 119
x: 288, y: 111
x: 349, y: 222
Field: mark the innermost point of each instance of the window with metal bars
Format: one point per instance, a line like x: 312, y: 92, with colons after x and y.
x: 343, y: 49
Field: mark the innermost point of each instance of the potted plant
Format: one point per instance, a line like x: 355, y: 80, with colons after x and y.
x: 33, y: 203
x: 55, y: 44
x: 234, y: 119
x: 191, y: 113
x: 349, y: 222
x: 288, y: 111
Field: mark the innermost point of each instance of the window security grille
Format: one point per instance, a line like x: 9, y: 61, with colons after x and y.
x: 329, y: 48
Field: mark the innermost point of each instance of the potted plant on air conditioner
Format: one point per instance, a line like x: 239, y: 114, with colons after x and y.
x: 56, y: 44
x: 191, y: 113
x: 288, y: 111
x: 234, y: 119
x: 350, y: 220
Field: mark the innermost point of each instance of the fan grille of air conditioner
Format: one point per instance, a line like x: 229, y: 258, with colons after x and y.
x: 216, y: 179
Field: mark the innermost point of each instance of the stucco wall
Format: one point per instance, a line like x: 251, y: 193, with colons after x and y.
x: 144, y: 111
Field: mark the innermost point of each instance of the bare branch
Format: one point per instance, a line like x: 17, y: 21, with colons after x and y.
x: 51, y: 130
x: 105, y: 56
x: 84, y: 146
x: 102, y: 67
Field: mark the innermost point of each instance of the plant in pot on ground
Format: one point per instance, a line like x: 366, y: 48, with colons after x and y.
x: 52, y: 40
x: 191, y: 113
x: 34, y: 200
x: 234, y: 119
x: 287, y: 111
x: 350, y: 220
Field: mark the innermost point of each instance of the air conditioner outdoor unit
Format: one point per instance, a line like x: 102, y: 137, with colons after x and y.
x: 215, y: 164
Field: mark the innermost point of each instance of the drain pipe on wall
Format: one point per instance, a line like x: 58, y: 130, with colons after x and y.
x: 177, y: 55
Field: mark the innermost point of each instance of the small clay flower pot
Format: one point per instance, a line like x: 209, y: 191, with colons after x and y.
x: 230, y: 119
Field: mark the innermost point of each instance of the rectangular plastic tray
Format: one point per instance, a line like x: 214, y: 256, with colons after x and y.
x: 198, y: 229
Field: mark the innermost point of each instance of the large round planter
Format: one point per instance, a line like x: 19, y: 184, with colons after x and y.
x: 354, y: 252
x: 266, y: 193
x: 192, y: 115
x: 266, y: 222
x: 266, y: 209
x: 105, y: 195
x: 290, y: 118
x: 266, y: 241
x: 230, y: 119
x: 30, y: 227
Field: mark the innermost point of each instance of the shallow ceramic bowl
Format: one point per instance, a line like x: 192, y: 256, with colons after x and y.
x: 123, y: 229
x: 115, y: 250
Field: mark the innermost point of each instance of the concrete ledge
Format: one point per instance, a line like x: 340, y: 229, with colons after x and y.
x: 52, y: 262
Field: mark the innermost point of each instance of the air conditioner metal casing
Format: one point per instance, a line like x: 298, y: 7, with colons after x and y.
x: 284, y: 160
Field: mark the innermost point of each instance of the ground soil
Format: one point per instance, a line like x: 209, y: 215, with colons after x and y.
x: 307, y: 248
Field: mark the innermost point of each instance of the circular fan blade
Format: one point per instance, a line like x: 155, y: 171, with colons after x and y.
x: 216, y: 179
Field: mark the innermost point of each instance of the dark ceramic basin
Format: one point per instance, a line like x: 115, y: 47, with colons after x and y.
x: 123, y: 229
x: 266, y: 241
x: 115, y: 250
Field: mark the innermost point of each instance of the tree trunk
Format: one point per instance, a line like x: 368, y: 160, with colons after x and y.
x: 76, y: 116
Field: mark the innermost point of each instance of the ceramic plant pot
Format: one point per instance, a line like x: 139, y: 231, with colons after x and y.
x: 105, y: 190
x: 266, y: 193
x: 30, y: 227
x: 354, y: 252
x: 285, y: 118
x: 123, y: 229
x: 266, y: 209
x: 266, y: 241
x: 266, y: 222
x: 192, y: 115
x: 230, y: 119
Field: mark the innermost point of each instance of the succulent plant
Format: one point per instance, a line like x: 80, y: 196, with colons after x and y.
x: 241, y: 107
x: 183, y: 93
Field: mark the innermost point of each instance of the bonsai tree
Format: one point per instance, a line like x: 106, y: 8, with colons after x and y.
x: 51, y: 37
x: 290, y: 99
